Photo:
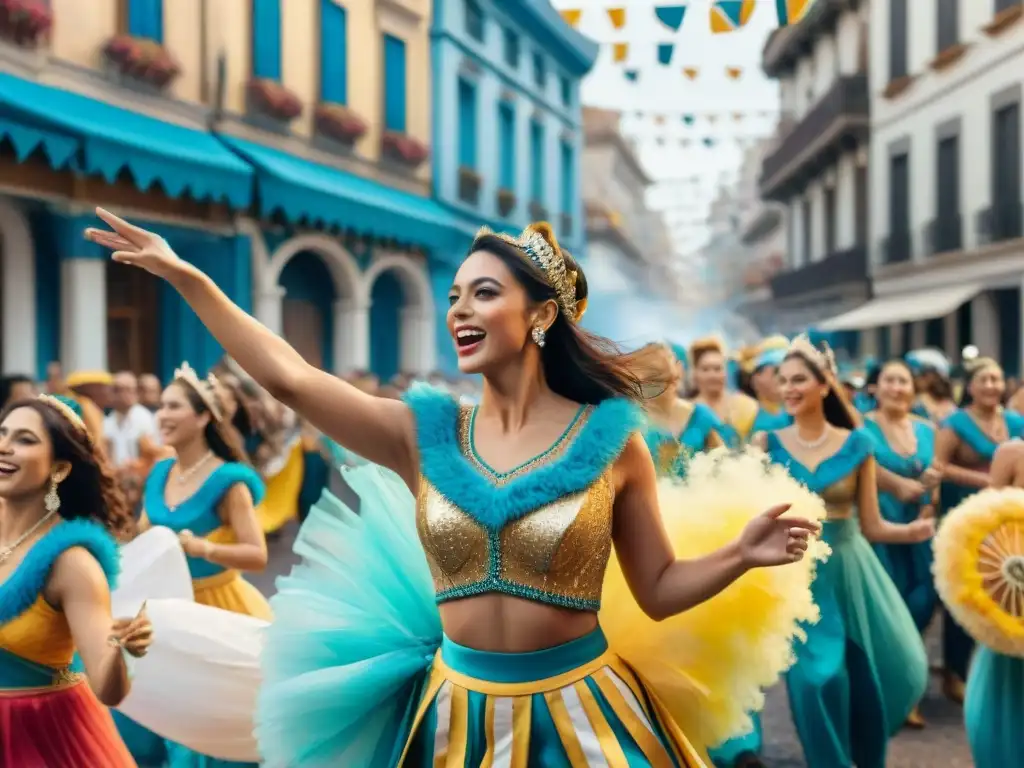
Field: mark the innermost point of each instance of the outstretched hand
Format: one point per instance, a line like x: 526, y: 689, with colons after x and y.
x: 135, y: 245
x: 770, y: 539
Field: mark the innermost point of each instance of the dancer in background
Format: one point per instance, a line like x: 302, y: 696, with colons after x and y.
x: 965, y: 446
x: 60, y: 516
x: 558, y: 418
x: 908, y: 490
x: 863, y: 667
x: 280, y: 461
x: 735, y: 410
x: 764, y: 385
x: 979, y: 571
x: 931, y: 371
x: 15, y: 387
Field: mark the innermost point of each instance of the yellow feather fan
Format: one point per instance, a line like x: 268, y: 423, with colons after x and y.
x: 709, y: 666
x: 979, y: 568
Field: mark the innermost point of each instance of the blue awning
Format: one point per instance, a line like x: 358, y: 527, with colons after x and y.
x: 301, y: 190
x: 112, y: 140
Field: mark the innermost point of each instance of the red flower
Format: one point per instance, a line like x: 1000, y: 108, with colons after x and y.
x: 340, y: 122
x: 26, y: 21
x: 141, y: 58
x: 405, y: 148
x: 275, y: 99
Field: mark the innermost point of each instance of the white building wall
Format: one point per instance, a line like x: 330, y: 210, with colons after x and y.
x: 846, y: 208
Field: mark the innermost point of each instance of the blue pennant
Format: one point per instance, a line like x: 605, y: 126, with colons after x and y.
x: 632, y: 75
x: 665, y: 51
x: 671, y: 15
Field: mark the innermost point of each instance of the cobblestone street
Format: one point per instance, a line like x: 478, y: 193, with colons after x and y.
x: 940, y: 745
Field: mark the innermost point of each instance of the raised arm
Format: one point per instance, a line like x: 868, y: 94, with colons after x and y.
x: 664, y: 585
x: 378, y: 429
x: 873, y: 525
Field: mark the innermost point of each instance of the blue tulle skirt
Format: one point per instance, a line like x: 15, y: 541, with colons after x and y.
x: 908, y: 565
x: 863, y: 667
x: 994, y: 709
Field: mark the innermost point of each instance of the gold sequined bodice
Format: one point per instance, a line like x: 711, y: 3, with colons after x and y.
x: 841, y: 497
x: 41, y: 634
x: 553, y: 548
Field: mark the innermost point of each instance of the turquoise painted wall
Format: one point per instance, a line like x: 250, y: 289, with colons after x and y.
x: 307, y: 278
x: 441, y: 278
x: 386, y: 301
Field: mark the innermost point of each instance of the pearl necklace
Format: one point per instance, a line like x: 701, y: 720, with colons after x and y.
x: 185, y: 474
x: 811, y: 445
x: 5, y: 552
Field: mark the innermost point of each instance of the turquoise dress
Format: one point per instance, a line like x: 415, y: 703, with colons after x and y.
x: 994, y: 709
x: 671, y: 452
x: 863, y: 667
x: 908, y: 565
x: 766, y: 421
x: 975, y: 452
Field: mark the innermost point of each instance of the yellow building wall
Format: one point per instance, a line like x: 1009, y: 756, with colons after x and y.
x: 80, y: 29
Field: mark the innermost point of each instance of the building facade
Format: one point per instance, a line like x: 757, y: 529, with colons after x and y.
x: 286, y: 155
x: 818, y: 167
x: 947, y: 181
x: 507, y: 114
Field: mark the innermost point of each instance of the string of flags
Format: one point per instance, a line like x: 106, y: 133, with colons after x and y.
x: 690, y: 118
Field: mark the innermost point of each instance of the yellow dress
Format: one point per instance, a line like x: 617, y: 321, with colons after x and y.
x: 281, y: 502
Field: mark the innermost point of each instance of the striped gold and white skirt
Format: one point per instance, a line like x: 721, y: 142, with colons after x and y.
x: 571, y: 706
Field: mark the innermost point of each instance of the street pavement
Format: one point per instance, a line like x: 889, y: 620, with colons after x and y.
x: 941, y: 745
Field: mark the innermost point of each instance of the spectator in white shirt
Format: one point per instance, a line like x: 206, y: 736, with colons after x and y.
x: 130, y: 429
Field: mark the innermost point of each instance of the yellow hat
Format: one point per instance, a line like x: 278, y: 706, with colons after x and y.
x: 773, y: 342
x: 83, y: 378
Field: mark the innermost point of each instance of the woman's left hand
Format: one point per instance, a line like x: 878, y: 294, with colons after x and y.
x: 193, y: 545
x: 134, y: 635
x: 770, y: 539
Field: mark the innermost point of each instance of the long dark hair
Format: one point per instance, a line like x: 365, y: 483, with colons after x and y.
x: 90, y: 491
x: 8, y: 383
x: 578, y: 365
x: 838, y: 411
x: 224, y: 443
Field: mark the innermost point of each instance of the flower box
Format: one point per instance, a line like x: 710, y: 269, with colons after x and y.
x: 273, y: 99
x: 25, y: 22
x: 339, y: 122
x: 469, y: 185
x: 404, y: 149
x: 506, y: 202
x: 142, y: 59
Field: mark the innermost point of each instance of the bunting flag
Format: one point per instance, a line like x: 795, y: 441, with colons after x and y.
x: 632, y: 75
x: 730, y: 15
x: 689, y: 119
x: 792, y: 11
x: 659, y: 119
x: 737, y: 116
x: 665, y: 51
x: 734, y: 73
x: 691, y: 72
x: 617, y: 17
x: 671, y: 15
x: 572, y: 16
x: 620, y: 51
x: 712, y: 119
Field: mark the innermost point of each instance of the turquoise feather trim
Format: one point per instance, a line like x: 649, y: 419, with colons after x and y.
x: 598, y: 444
x: 22, y: 588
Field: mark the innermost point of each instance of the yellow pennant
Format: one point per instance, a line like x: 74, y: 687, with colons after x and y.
x: 733, y: 73
x: 572, y: 16
x: 691, y: 72
x: 620, y: 51
x: 659, y: 120
x: 737, y: 116
x: 618, y: 17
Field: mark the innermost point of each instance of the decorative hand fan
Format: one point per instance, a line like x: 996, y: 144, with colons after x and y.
x: 979, y: 568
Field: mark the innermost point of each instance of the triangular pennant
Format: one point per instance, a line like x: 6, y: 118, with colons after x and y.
x: 691, y: 72
x: 617, y: 17
x: 671, y: 15
x: 730, y: 15
x: 733, y: 73
x: 709, y: 142
x: 572, y: 16
x: 688, y: 119
x: 659, y: 120
x: 712, y: 119
x: 632, y: 75
x: 620, y: 51
x: 737, y: 116
x: 665, y: 51
x: 792, y: 11
x: 684, y: 142
x: 660, y: 141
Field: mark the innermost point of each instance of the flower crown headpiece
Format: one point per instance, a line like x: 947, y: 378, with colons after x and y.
x: 824, y: 358
x: 65, y: 410
x: 206, y: 389
x: 549, y: 260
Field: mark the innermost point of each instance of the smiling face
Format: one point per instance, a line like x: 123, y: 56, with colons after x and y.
x: 709, y: 373
x: 177, y: 418
x: 490, y: 315
x: 895, y: 386
x: 988, y: 386
x: 26, y: 455
x: 802, y: 391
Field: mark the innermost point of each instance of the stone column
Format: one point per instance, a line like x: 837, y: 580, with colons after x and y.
x: 268, y: 308
x: 83, y: 310
x: 351, y: 336
x: 17, y: 292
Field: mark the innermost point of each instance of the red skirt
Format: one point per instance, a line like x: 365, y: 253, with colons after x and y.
x: 61, y: 728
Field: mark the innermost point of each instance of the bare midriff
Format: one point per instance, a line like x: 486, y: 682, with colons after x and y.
x: 506, y: 624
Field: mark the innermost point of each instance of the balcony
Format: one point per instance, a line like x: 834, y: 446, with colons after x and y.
x: 787, y: 45
x: 1003, y: 221
x: 838, y: 122
x: 943, y: 234
x: 848, y: 266
x: 897, y: 248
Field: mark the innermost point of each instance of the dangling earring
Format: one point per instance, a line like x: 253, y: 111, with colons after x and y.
x: 539, y: 335
x: 52, y: 500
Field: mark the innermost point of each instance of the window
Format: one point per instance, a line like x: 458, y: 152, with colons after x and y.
x: 897, y: 39
x: 860, y: 205
x: 266, y: 39
x: 568, y: 178
x: 511, y: 49
x: 899, y: 208
x: 566, y: 85
x: 333, y: 52
x: 145, y: 18
x: 467, y: 124
x: 906, y: 338
x: 394, y: 84
x: 540, y: 72
x: 830, y: 221
x: 1006, y: 173
x: 536, y: 162
x: 946, y: 235
x: 935, y: 333
x: 507, y: 146
x: 805, y: 221
x: 948, y: 24
x: 474, y: 20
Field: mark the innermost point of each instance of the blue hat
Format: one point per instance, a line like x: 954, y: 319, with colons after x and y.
x: 772, y: 357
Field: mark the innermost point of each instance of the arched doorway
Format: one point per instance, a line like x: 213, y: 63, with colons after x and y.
x: 133, y: 310
x: 402, y: 319
x: 18, y: 339
x: 307, y: 308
